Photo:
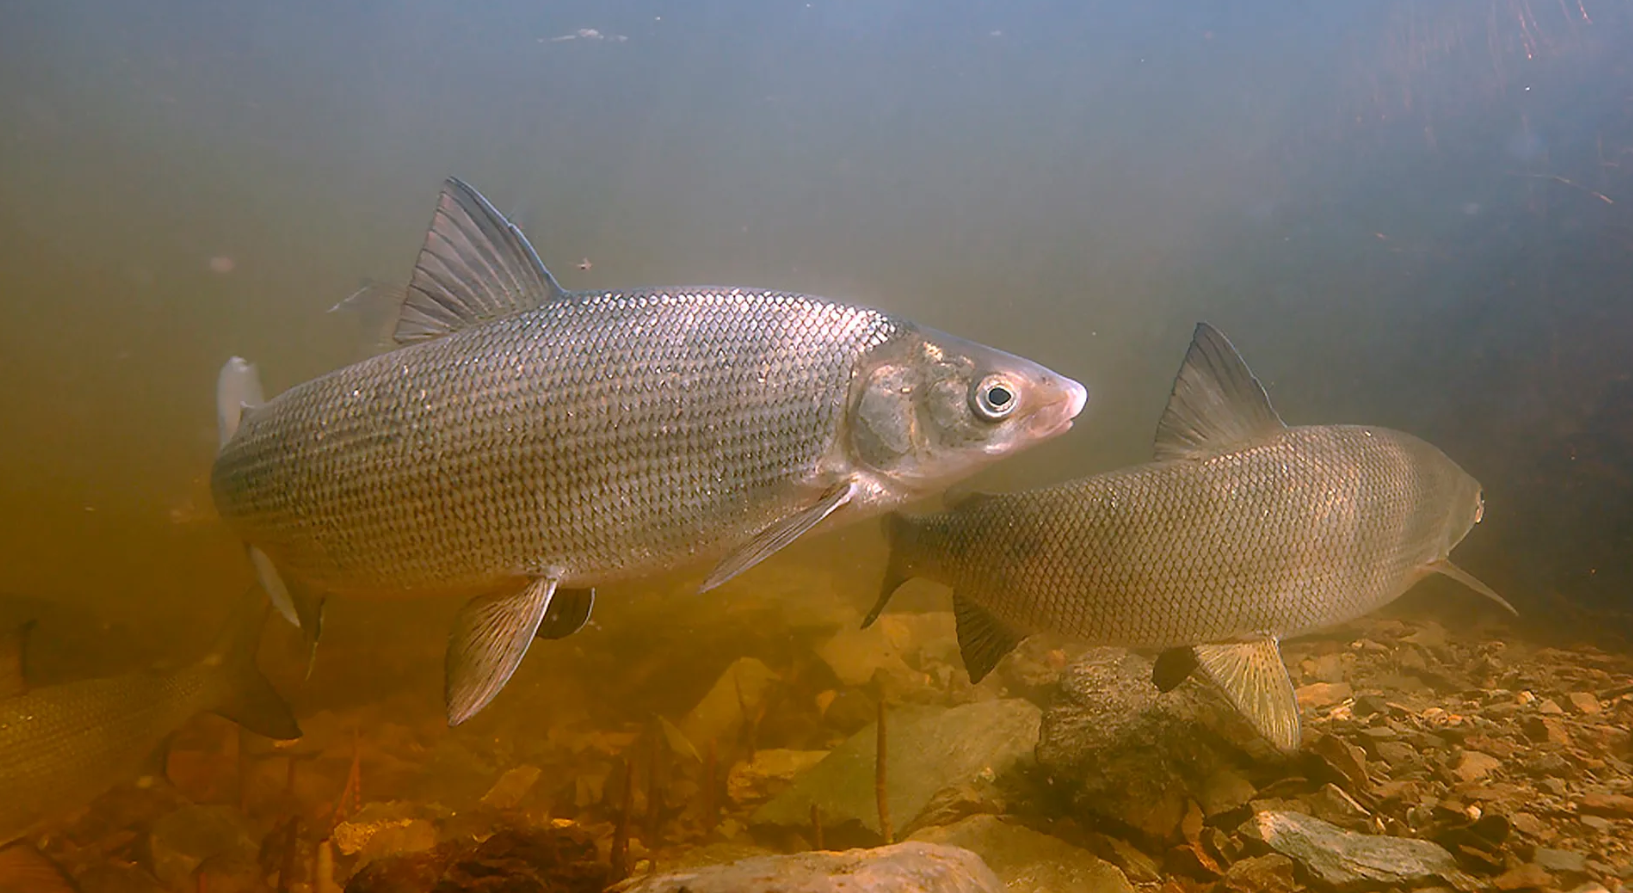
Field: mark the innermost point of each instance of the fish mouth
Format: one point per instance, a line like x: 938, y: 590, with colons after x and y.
x: 1056, y: 416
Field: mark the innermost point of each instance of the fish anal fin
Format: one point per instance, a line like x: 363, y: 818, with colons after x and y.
x: 1216, y: 404
x: 983, y: 639
x: 14, y: 660
x: 1444, y: 566
x: 490, y: 637
x: 474, y: 267
x: 24, y: 869
x: 778, y: 535
x: 569, y: 610
x: 1254, y: 679
x: 1173, y: 667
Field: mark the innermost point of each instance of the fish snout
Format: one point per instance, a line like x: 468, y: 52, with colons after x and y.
x: 1066, y: 399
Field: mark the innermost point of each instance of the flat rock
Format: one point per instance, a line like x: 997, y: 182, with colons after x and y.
x: 1136, y: 756
x: 1344, y: 858
x: 911, y: 867
x: 1028, y: 861
x: 929, y: 751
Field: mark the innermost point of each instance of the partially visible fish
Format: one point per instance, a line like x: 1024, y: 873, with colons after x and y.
x: 1243, y: 531
x: 527, y: 443
x: 63, y: 745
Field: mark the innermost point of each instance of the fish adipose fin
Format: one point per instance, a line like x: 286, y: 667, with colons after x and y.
x: 983, y: 639
x: 1216, y: 405
x: 24, y: 869
x: 246, y: 697
x: 568, y: 612
x: 1445, y: 566
x: 474, y: 267
x: 778, y: 535
x: 1173, y: 667
x: 489, y: 639
x: 896, y: 569
x: 14, y: 660
x: 237, y: 388
x: 1255, y: 680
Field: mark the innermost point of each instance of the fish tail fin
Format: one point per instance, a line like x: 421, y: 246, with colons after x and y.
x: 237, y: 388
x: 245, y: 696
x: 898, y: 569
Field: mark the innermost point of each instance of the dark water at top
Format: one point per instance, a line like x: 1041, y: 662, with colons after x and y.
x: 1410, y: 214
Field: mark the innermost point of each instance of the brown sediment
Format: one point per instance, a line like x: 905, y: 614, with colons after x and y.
x: 351, y: 796
x: 654, y: 788
x: 879, y: 779
x: 816, y: 827
x: 711, y: 785
x: 291, y: 854
x: 619, y: 857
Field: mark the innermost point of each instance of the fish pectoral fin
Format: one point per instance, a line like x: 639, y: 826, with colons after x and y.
x: 983, y: 639
x: 490, y: 636
x: 237, y: 388
x: 299, y: 605
x: 14, y: 660
x: 25, y: 869
x: 1216, y: 404
x: 1255, y: 680
x: 779, y: 535
x: 1173, y: 667
x: 474, y: 267
x: 1445, y: 566
x: 568, y: 612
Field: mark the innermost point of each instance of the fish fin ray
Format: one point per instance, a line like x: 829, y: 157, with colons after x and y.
x: 24, y: 869
x: 569, y: 610
x: 1173, y: 667
x: 377, y: 307
x: 1216, y: 404
x: 490, y: 637
x: 1254, y: 679
x: 247, y: 696
x: 896, y: 528
x: 237, y: 388
x: 14, y: 660
x: 474, y: 267
x: 983, y: 639
x: 778, y: 535
x: 1446, y: 567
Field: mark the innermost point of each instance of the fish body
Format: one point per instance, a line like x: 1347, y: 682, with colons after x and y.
x: 63, y: 745
x: 527, y: 443
x: 1243, y: 532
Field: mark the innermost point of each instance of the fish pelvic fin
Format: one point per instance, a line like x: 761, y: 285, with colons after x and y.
x: 1172, y: 667
x: 983, y: 639
x: 1444, y: 566
x: 237, y: 388
x: 490, y: 637
x: 1216, y: 404
x: 245, y: 696
x: 780, y: 534
x: 898, y: 570
x: 299, y: 605
x: 474, y: 267
x: 568, y: 612
x: 1255, y: 681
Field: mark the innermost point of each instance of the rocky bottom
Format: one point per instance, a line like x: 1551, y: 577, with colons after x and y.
x: 1433, y: 759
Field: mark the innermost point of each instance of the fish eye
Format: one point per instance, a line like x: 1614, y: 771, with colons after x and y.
x: 993, y: 398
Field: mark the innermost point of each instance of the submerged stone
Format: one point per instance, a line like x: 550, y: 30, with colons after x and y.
x: 1028, y: 861
x: 912, y: 867
x: 1346, y: 858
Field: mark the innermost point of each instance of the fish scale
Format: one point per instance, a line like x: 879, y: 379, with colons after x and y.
x: 525, y: 444
x: 1211, y: 551
x: 578, y: 420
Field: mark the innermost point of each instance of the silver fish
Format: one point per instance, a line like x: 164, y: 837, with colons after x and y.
x: 63, y: 745
x: 527, y: 443
x: 1242, y: 532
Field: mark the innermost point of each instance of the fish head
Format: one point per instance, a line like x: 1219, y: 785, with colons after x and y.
x: 936, y: 408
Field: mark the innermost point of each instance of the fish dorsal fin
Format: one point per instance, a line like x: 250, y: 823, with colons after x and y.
x: 1217, y: 405
x: 983, y: 639
x: 1255, y: 680
x: 474, y: 267
x: 13, y: 660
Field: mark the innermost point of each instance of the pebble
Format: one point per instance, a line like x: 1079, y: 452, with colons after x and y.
x: 1323, y: 694
x: 1585, y: 703
x: 1474, y: 765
